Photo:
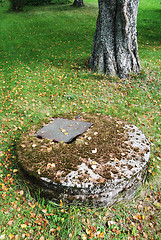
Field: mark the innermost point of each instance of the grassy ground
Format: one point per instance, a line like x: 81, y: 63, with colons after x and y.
x: 43, y: 55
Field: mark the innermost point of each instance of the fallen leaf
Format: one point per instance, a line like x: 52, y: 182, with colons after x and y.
x: 84, y: 236
x: 3, y: 236
x: 32, y: 214
x: 94, y: 151
x: 21, y: 192
x: 41, y: 238
x: 145, y: 235
x: 58, y: 228
x: 111, y: 223
x: 63, y: 130
x: 95, y: 133
x: 49, y: 149
x: 88, y: 231
x: 137, y: 217
x: 23, y: 226
x: 94, y: 162
x: 61, y: 203
x: 70, y: 235
x: 102, y: 234
x: 53, y: 165
x: 11, y: 236
x: 23, y: 145
x: 151, y: 225
x: 10, y: 222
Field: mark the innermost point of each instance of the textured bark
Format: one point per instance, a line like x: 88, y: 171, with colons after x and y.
x: 115, y: 49
x: 78, y: 3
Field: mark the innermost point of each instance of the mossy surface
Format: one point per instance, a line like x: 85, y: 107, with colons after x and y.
x: 104, y: 141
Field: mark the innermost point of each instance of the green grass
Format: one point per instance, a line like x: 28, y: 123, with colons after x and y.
x: 43, y: 71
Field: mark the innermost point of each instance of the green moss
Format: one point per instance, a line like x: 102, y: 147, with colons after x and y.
x: 36, y: 155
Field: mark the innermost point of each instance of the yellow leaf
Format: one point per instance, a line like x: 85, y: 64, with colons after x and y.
x: 11, y: 236
x: 143, y: 217
x: 137, y: 217
x: 94, y: 162
x: 23, y: 225
x: 3, y: 186
x: 102, y: 235
x: 61, y: 203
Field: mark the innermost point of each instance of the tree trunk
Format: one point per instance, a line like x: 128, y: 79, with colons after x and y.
x: 17, y: 5
x: 115, y: 49
x: 78, y: 3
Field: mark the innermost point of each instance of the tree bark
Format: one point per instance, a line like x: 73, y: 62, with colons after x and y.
x: 78, y: 3
x: 115, y: 48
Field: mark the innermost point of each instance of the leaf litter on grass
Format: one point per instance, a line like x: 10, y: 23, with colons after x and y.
x: 56, y: 86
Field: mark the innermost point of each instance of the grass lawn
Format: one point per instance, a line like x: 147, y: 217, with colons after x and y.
x: 43, y: 71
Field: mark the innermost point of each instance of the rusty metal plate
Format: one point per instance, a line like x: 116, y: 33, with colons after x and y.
x: 63, y: 130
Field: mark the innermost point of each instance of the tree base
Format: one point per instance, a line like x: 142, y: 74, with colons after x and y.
x: 115, y: 49
x: 78, y: 3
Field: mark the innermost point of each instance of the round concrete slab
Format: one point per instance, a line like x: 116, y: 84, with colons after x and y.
x: 105, y: 164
